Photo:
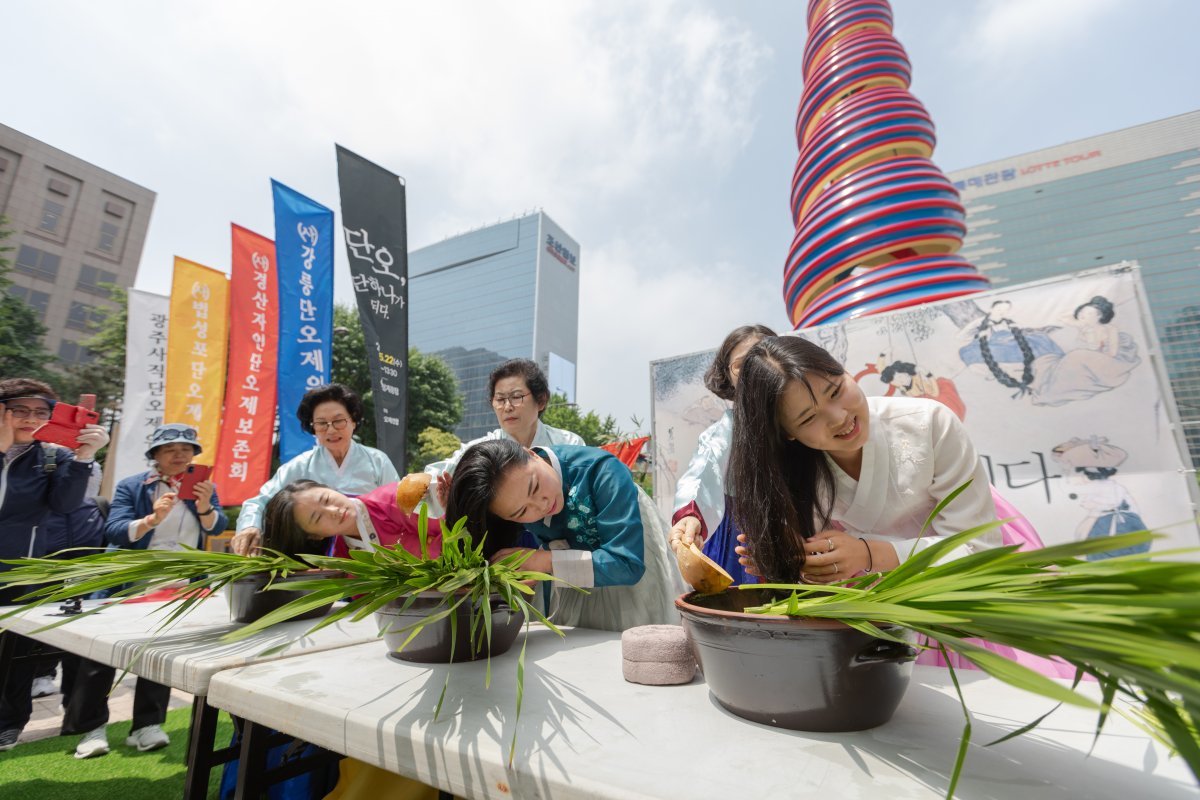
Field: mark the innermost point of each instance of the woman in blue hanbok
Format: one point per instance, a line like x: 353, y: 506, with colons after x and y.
x: 703, y: 512
x: 597, y: 530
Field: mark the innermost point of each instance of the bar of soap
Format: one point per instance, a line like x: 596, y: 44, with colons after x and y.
x: 657, y: 655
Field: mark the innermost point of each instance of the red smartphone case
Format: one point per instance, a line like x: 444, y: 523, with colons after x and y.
x: 64, y: 425
x: 195, y: 474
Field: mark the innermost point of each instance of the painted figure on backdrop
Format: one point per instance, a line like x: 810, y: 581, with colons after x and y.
x: 1006, y: 352
x: 909, y: 380
x: 702, y: 503
x: 1109, y: 507
x: 1103, y: 357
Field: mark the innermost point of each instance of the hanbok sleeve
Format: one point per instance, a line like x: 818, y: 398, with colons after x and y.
x: 252, y: 509
x: 619, y: 558
x: 700, y: 491
x: 955, y: 462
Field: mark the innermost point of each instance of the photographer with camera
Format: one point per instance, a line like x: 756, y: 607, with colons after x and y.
x: 35, y: 479
x: 170, y: 506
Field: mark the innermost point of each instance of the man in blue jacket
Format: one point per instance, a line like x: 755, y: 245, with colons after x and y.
x: 34, y: 480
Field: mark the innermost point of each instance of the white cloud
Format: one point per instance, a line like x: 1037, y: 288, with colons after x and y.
x: 1008, y: 32
x: 636, y: 308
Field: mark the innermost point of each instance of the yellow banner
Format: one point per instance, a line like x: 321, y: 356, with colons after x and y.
x: 197, y: 339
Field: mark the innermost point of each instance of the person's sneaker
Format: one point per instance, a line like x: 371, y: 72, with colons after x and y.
x: 94, y: 743
x: 8, y: 738
x: 44, y: 687
x: 151, y: 737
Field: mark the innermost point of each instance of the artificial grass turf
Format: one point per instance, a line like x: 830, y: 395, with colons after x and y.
x: 48, y: 770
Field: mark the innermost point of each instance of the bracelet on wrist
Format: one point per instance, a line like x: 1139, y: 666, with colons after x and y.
x: 870, y: 555
x: 210, y: 510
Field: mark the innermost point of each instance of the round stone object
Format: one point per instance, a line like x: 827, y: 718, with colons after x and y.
x: 657, y: 655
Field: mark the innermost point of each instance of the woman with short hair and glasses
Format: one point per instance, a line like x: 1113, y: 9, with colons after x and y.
x: 331, y: 413
x: 519, y: 392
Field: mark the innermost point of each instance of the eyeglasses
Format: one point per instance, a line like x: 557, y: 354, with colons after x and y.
x: 171, y: 434
x: 25, y: 412
x: 516, y: 399
x: 337, y: 424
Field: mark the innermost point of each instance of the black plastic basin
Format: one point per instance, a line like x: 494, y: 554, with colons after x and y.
x: 432, y: 644
x: 249, y: 601
x: 802, y: 674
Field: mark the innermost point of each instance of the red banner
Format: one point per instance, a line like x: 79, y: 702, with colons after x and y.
x: 627, y: 451
x: 244, y: 453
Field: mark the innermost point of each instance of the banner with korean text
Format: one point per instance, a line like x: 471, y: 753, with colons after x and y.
x: 145, y: 381
x: 243, y: 461
x: 304, y: 264
x: 373, y: 222
x: 198, y: 333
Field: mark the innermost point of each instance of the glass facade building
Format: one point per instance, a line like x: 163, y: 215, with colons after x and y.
x: 1129, y: 195
x: 509, y: 290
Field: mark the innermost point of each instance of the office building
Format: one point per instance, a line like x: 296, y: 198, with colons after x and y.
x: 1133, y: 194
x: 75, y: 227
x: 510, y: 290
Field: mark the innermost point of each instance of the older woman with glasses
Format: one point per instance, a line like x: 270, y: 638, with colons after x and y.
x: 520, y: 393
x: 331, y: 413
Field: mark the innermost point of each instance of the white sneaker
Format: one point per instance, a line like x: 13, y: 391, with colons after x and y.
x: 151, y: 737
x: 44, y: 687
x: 93, y: 743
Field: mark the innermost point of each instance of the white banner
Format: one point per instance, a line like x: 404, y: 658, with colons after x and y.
x: 145, y: 381
x: 1057, y: 382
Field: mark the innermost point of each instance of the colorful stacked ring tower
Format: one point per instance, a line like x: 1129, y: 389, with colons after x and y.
x: 877, y: 223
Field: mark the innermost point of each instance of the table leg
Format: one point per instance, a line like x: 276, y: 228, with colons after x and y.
x: 252, y: 762
x: 202, y: 734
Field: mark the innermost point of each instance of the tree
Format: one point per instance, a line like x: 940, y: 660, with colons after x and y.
x: 433, y: 399
x: 104, y: 376
x: 595, y: 431
x: 21, y: 351
x: 434, y: 445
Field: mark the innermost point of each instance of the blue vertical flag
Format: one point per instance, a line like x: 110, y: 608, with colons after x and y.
x: 304, y: 263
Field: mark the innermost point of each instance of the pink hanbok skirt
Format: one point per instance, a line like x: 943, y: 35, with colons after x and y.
x: 1017, y: 531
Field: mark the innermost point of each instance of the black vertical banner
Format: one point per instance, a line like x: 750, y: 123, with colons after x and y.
x: 376, y: 232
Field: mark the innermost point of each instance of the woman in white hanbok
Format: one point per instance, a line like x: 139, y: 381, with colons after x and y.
x: 832, y: 484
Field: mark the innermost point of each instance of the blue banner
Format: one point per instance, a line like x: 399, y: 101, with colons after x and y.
x: 304, y: 261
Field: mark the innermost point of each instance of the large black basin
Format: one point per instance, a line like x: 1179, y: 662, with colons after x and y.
x: 797, y: 673
x: 433, y: 644
x: 249, y: 600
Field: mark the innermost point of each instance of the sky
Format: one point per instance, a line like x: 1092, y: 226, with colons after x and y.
x: 659, y: 135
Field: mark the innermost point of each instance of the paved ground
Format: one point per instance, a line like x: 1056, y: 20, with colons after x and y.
x: 47, y: 711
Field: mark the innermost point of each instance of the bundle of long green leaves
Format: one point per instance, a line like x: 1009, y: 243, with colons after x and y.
x: 1130, y: 622
x: 461, y: 574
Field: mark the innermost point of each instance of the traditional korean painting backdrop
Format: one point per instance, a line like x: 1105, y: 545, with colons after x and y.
x: 1055, y: 381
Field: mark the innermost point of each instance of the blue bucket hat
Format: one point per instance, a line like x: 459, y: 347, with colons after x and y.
x: 172, y: 432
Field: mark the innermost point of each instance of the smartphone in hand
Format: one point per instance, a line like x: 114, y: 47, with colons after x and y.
x: 195, y: 474
x: 64, y: 425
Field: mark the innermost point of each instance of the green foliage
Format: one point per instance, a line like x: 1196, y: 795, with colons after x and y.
x: 595, y: 431
x: 21, y: 351
x: 434, y: 445
x: 433, y: 399
x: 105, y: 376
x: 1130, y: 622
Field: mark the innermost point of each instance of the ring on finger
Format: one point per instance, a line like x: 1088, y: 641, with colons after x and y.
x: 835, y: 568
x: 829, y: 545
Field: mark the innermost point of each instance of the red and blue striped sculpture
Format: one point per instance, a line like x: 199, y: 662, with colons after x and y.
x: 877, y: 223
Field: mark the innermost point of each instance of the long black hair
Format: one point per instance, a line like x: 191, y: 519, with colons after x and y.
x: 281, y: 532
x: 718, y: 378
x: 473, y: 488
x: 783, y: 489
